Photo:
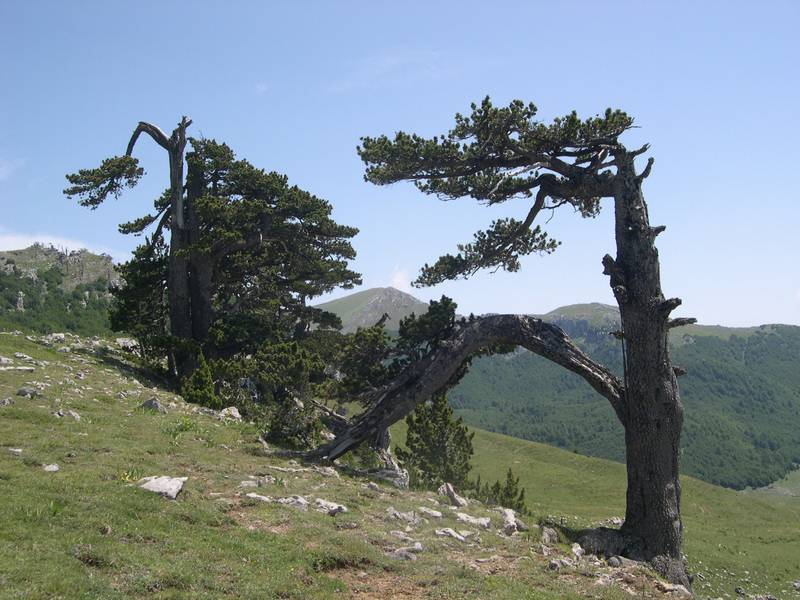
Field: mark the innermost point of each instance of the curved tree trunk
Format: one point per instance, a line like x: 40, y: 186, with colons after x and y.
x: 437, y: 370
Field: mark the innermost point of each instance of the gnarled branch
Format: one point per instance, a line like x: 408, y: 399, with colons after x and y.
x: 159, y: 137
x: 418, y: 382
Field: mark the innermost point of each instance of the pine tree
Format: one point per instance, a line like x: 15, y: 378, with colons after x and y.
x: 439, y: 446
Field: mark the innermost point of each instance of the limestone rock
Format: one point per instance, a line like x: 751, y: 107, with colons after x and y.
x: 51, y: 468
x: 448, y: 532
x: 16, y: 451
x: 549, y: 536
x: 484, y: 522
x: 331, y: 508
x: 677, y: 591
x: 259, y: 497
x: 408, y: 517
x: 511, y: 522
x: 6, y: 402
x: 577, y: 551
x: 446, y: 489
x: 401, y: 535
x: 6, y: 361
x: 326, y: 471
x: 27, y: 392
x: 231, y: 413
x: 559, y: 563
x: 169, y: 487
x: 154, y: 405
x: 294, y: 501
x: 435, y: 514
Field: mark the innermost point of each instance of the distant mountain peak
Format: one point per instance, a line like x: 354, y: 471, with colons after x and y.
x: 366, y: 307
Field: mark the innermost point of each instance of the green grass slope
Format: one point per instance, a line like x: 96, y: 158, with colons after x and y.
x: 87, y: 531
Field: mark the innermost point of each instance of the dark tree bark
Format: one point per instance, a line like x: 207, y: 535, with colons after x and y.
x: 179, y: 287
x: 653, y: 416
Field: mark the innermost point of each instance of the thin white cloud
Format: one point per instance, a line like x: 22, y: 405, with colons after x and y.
x: 262, y: 88
x: 16, y: 241
x: 389, y: 68
x: 9, y: 167
x: 401, y: 279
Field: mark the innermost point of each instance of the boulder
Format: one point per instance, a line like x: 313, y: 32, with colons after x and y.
x: 448, y: 532
x: 326, y: 471
x: 169, y: 487
x: 511, y: 522
x: 559, y: 563
x: 577, y: 551
x: 154, y: 405
x: 231, y: 413
x: 446, y: 489
x: 331, y: 508
x: 27, y: 392
x: 549, y: 536
x: 408, y: 517
x: 484, y: 522
x: 294, y: 501
x: 6, y: 361
x: 407, y: 553
x: 259, y: 497
x: 429, y: 512
x: 6, y: 402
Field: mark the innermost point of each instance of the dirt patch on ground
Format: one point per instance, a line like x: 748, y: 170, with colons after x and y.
x: 378, y: 585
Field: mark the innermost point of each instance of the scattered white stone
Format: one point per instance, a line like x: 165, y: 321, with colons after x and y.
x: 6, y: 402
x: 429, y: 512
x: 65, y: 349
x: 446, y: 489
x: 51, y: 468
x: 332, y: 508
x: 549, y: 535
x: 21, y: 356
x: 577, y: 551
x: 259, y: 497
x: 231, y: 413
x: 408, y: 517
x: 407, y: 553
x: 401, y: 535
x: 559, y: 563
x: 6, y: 361
x: 20, y: 369
x: 676, y: 590
x: 164, y: 485
x: 327, y: 471
x: 153, y: 404
x: 16, y: 451
x: 373, y: 486
x: 27, y: 392
x: 484, y: 522
x: 295, y: 501
x: 448, y: 532
x: 511, y: 522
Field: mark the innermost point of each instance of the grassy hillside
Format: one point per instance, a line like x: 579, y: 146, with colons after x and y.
x: 87, y: 531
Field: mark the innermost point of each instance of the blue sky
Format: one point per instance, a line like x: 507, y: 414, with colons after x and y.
x: 291, y: 86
